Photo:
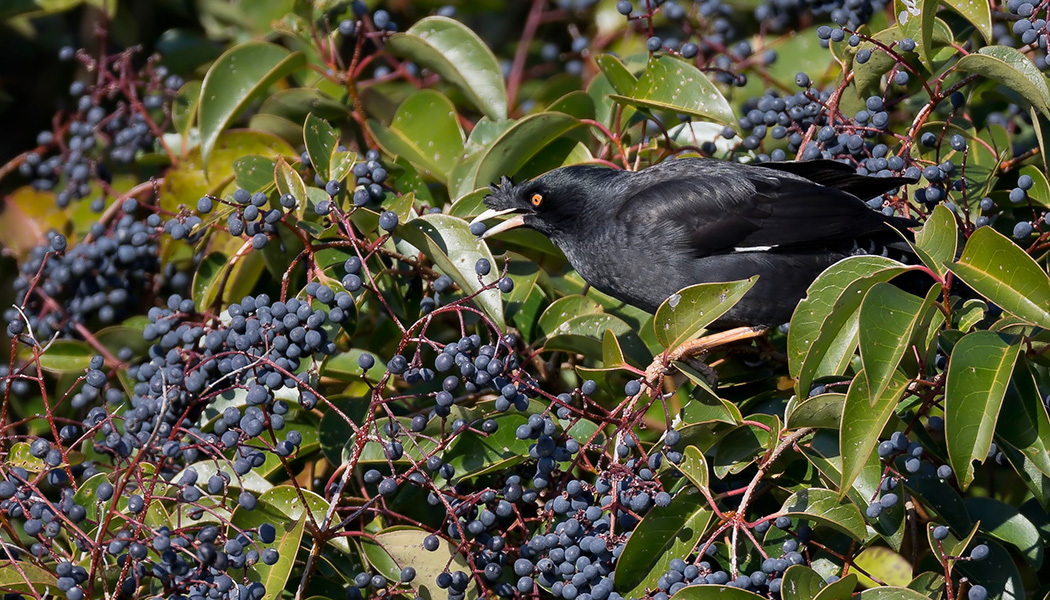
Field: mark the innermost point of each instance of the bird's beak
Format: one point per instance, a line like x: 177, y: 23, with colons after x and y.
x: 516, y: 221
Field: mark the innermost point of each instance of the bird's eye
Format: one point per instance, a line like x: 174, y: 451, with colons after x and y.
x: 537, y: 199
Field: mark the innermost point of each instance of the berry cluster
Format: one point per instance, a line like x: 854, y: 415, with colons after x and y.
x: 103, y: 279
x: 113, y: 120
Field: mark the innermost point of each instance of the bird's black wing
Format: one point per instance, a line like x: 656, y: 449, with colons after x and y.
x: 839, y: 176
x: 714, y: 207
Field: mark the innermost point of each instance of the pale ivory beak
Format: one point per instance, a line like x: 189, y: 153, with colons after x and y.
x: 515, y: 221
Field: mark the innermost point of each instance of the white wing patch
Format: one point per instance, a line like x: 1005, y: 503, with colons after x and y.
x: 753, y: 248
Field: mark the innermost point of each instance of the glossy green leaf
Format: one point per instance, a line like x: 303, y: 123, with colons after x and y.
x: 714, y: 592
x: 929, y: 584
x: 452, y: 50
x: 1002, y: 272
x: 937, y: 241
x: 398, y: 547
x: 663, y: 534
x: 863, y: 422
x: 1029, y: 428
x: 254, y: 173
x: 889, y: 593
x: 977, y: 12
x: 187, y: 181
x: 20, y: 456
x: 473, y: 454
x: 1040, y: 192
x: 321, y: 141
x: 449, y: 243
x: 685, y: 314
x: 694, y: 466
x: 621, y: 80
x: 1012, y: 69
x: 888, y: 319
x: 831, y: 301
x: 184, y: 107
x: 24, y: 577
x: 978, y: 371
x: 675, y: 85
x: 888, y: 567
x: 425, y: 131
x: 824, y: 506
x: 918, y: 21
x: 275, y: 576
x: 998, y: 573
x: 288, y: 181
x: 519, y: 144
x: 584, y: 335
x: 564, y: 309
x: 823, y: 411
x: 839, y: 590
x: 801, y: 583
x: 238, y: 77
x: 63, y: 356
x: 1005, y: 523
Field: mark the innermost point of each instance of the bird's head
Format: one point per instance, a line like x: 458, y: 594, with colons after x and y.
x: 551, y: 203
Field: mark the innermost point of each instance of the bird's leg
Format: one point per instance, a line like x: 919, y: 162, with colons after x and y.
x: 700, y: 346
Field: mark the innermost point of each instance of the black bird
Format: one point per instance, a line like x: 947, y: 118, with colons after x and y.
x: 640, y: 236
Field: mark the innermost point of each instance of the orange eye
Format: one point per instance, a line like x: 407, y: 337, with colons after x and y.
x: 537, y: 199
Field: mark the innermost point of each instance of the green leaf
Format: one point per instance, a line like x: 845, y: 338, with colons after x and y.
x: 254, y: 173
x: 621, y: 80
x: 889, y: 593
x: 1004, y: 273
x: 830, y: 303
x: 454, y: 249
x: 425, y: 132
x: 565, y: 309
x: 472, y: 453
x: 839, y: 590
x: 238, y: 77
x: 452, y: 50
x: 998, y: 573
x: 288, y: 181
x: 929, y: 584
x: 888, y: 567
x: 26, y: 578
x: 663, y: 534
x: 888, y: 319
x: 63, y: 356
x: 184, y: 107
x: 823, y: 411
x: 398, y: 547
x: 714, y: 592
x: 977, y: 12
x: 978, y: 371
x: 937, y: 241
x: 275, y: 576
x: 321, y: 141
x: 675, y: 85
x: 863, y: 422
x: 801, y: 583
x: 694, y: 467
x: 685, y: 314
x: 1007, y: 524
x: 1012, y: 69
x: 519, y: 144
x: 1029, y: 429
x: 824, y: 506
x: 584, y: 335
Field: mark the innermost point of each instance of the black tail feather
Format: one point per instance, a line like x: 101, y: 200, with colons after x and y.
x: 840, y: 176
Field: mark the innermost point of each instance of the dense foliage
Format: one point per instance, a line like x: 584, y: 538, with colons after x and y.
x: 256, y: 350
